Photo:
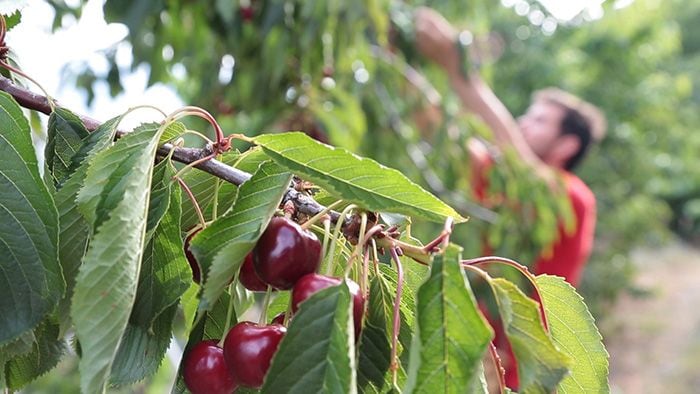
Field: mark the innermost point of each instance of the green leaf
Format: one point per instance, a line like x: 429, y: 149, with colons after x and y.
x: 375, y: 346
x: 74, y: 230
x: 362, y: 181
x: 221, y: 247
x: 141, y: 350
x: 203, y: 186
x: 98, y: 140
x: 114, y: 201
x: 573, y: 330
x: 45, y: 354
x: 541, y: 365
x: 31, y: 282
x: 65, y: 135
x: 165, y: 274
x: 162, y: 187
x: 279, y: 303
x: 451, y: 334
x: 320, y: 363
x: 375, y: 359
x: 172, y: 131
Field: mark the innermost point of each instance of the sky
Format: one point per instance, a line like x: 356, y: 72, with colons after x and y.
x: 47, y: 55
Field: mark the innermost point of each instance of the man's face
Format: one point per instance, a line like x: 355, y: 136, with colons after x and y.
x: 541, y: 126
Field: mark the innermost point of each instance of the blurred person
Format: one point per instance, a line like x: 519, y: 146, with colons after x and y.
x: 552, y: 138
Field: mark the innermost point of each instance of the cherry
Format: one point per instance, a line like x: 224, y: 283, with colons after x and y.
x: 285, y: 252
x: 249, y: 279
x: 247, y: 13
x: 278, y: 319
x: 313, y: 283
x: 205, y: 371
x: 248, y: 350
x: 196, y: 275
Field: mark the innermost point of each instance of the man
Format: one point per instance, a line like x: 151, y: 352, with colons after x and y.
x: 552, y: 137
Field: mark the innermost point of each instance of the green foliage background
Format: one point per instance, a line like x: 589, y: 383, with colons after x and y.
x: 327, y: 68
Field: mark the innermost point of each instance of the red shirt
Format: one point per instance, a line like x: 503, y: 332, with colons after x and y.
x: 570, y: 253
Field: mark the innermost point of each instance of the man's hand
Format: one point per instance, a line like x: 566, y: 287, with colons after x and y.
x: 435, y: 39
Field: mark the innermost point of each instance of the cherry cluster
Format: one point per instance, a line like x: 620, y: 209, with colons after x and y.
x: 286, y: 257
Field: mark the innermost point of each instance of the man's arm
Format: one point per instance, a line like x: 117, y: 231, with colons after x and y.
x: 435, y: 39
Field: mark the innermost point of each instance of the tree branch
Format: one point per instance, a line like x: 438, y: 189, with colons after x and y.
x: 37, y: 102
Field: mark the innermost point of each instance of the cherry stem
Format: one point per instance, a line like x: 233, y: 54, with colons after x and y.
x: 192, y: 198
x: 375, y: 257
x: 200, y: 135
x: 265, y: 305
x: 319, y: 215
x: 343, y: 249
x: 326, y: 233
x: 365, y: 274
x: 396, y: 324
x: 195, y: 162
x: 336, y: 238
x: 360, y: 244
x: 417, y: 253
x: 499, y: 367
x: 523, y: 269
x: 231, y: 308
x: 443, y: 239
x: 287, y: 313
x: 215, y: 199
x: 204, y: 114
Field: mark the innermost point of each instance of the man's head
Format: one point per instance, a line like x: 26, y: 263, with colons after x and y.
x: 560, y: 127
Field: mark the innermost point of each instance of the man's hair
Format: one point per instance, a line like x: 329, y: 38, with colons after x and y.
x: 581, y: 119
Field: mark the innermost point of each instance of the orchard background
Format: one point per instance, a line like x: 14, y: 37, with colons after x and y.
x: 334, y: 75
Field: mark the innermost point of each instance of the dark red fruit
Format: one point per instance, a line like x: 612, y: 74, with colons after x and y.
x: 312, y: 283
x: 247, y: 13
x: 248, y: 350
x: 279, y: 319
x: 285, y: 252
x: 249, y: 279
x: 196, y: 275
x: 205, y: 371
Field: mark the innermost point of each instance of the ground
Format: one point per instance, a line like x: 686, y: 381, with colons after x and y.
x: 654, y: 339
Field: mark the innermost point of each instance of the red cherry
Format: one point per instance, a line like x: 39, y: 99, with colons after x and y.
x: 247, y: 13
x: 310, y: 284
x: 248, y: 349
x: 279, y: 319
x: 205, y: 371
x: 249, y: 279
x: 196, y: 275
x: 285, y: 252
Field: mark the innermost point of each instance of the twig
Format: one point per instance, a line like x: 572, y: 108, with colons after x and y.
x: 37, y: 102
